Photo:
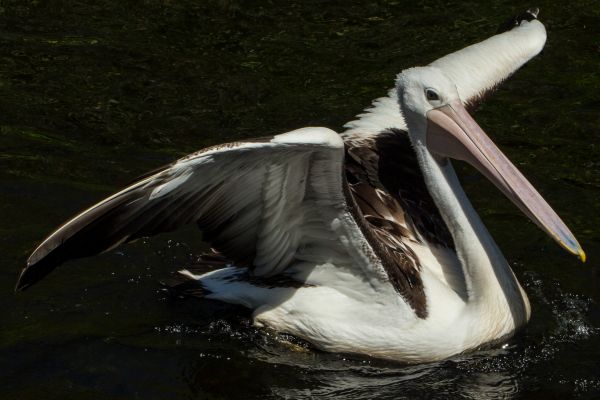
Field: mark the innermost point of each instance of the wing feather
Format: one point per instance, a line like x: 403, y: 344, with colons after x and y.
x: 476, y: 70
x: 481, y: 67
x: 247, y: 197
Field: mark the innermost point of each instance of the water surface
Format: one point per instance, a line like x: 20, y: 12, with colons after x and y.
x: 93, y: 94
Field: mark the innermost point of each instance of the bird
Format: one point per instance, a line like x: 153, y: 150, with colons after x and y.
x: 359, y: 242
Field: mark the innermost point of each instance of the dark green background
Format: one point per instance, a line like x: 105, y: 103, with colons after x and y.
x: 94, y: 93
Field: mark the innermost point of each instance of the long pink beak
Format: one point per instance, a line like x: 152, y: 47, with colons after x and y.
x: 451, y: 132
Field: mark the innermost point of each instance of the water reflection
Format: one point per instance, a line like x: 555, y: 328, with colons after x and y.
x: 490, y: 386
x: 326, y: 376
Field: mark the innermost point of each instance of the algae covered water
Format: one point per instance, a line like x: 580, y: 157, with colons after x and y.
x: 93, y: 94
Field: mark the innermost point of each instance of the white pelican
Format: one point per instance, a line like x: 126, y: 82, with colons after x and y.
x: 362, y: 242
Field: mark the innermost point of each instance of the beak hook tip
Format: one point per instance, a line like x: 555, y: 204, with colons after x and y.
x: 582, y: 255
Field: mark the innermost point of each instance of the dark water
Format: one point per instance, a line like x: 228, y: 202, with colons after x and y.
x: 94, y: 93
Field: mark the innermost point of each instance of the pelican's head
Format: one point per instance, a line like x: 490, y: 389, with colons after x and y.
x: 438, y: 122
x: 420, y: 90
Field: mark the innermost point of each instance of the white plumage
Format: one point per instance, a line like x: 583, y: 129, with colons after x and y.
x: 338, y: 255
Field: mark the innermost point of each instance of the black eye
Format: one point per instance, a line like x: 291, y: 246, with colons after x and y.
x: 431, y: 94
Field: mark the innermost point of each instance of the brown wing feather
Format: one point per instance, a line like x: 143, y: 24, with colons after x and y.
x: 393, y: 208
x: 401, y: 176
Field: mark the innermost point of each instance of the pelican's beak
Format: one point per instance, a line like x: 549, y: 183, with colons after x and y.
x: 451, y: 132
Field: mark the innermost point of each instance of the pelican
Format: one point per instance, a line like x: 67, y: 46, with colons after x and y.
x: 361, y: 242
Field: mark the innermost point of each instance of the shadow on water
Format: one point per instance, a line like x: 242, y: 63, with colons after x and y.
x: 93, y: 94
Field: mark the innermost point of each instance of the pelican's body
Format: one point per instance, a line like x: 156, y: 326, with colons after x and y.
x: 362, y: 242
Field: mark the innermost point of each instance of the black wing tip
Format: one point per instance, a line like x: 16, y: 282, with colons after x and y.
x: 38, y: 266
x: 528, y: 15
x: 23, y: 282
x: 533, y: 12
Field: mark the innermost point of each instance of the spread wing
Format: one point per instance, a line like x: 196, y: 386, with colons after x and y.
x: 476, y: 70
x: 262, y: 203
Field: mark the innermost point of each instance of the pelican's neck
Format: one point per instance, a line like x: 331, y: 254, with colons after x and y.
x: 491, y: 284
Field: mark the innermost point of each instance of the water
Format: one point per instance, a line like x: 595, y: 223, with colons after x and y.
x: 94, y: 93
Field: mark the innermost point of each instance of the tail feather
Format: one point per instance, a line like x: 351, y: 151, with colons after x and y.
x: 184, y: 284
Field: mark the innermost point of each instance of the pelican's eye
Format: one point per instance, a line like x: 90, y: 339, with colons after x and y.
x: 431, y: 94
